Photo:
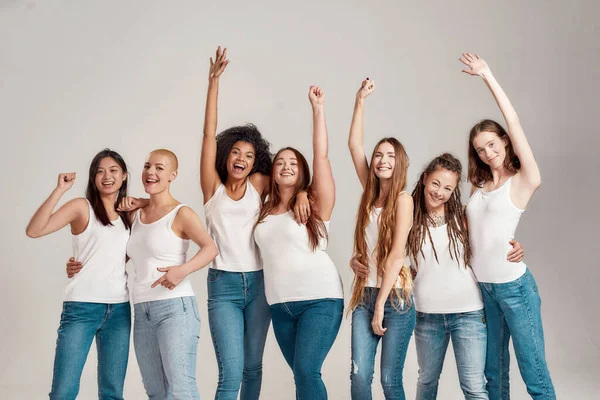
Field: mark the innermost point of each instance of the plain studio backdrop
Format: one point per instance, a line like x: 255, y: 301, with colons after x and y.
x: 76, y: 77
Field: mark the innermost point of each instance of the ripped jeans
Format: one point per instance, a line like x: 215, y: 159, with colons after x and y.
x: 400, y: 324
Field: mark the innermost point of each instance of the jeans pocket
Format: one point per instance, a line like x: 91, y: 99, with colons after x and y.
x: 214, y: 275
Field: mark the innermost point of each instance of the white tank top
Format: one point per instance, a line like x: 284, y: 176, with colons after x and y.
x: 493, y: 220
x: 371, y: 237
x: 293, y: 271
x: 101, y: 249
x: 445, y: 287
x: 152, y: 246
x: 230, y: 224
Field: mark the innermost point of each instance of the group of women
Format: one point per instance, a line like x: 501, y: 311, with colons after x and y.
x: 422, y: 263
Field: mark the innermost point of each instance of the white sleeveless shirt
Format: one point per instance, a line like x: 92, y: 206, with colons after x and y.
x: 230, y: 224
x: 493, y: 220
x: 152, y: 246
x: 446, y: 286
x: 293, y: 271
x: 371, y: 237
x: 101, y: 250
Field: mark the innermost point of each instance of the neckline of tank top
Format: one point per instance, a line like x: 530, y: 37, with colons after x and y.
x: 248, y: 183
x: 290, y: 211
x: 139, y: 214
x: 497, y: 189
x: 92, y: 212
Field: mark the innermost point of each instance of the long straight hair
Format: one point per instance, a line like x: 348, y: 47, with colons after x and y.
x: 386, y: 225
x: 458, y: 233
x: 315, y: 226
x: 93, y: 195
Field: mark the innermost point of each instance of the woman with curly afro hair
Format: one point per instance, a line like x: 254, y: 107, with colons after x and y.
x: 235, y: 171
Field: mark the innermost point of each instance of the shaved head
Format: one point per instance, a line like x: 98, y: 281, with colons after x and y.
x: 173, y: 162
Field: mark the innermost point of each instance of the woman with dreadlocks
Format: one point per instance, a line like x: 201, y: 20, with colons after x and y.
x: 381, y: 295
x: 446, y: 293
x: 235, y: 173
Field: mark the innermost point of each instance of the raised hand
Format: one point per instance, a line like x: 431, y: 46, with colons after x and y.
x: 316, y: 95
x: 475, y: 64
x: 218, y: 65
x: 172, y: 277
x: 366, y: 88
x: 65, y: 181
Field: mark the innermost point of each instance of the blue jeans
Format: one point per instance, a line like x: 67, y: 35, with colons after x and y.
x: 514, y: 309
x: 80, y: 323
x: 400, y: 323
x: 468, y: 332
x: 305, y: 332
x: 239, y: 318
x: 165, y: 337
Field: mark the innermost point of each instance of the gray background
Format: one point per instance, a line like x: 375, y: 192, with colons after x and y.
x: 76, y: 77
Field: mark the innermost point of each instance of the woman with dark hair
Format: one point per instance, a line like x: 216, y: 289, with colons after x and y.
x: 235, y: 170
x: 446, y: 293
x: 96, y: 300
x: 382, y: 286
x: 302, y: 284
x: 504, y: 175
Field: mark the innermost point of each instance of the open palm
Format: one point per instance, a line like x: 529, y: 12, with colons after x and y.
x: 475, y: 64
x: 218, y: 65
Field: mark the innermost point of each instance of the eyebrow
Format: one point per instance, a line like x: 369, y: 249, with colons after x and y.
x: 291, y: 159
x: 490, y: 141
x: 112, y: 166
x: 237, y: 148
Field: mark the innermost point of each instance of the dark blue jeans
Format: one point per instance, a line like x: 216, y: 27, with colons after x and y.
x: 305, y: 332
x: 400, y: 323
x: 514, y: 309
x: 239, y: 318
x: 80, y: 323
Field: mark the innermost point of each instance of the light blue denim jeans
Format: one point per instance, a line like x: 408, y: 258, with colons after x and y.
x: 165, y: 338
x: 80, y: 323
x: 468, y: 333
x: 400, y: 323
x: 514, y: 309
x: 239, y: 319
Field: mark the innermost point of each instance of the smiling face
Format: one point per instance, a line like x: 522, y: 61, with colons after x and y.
x: 384, y: 161
x: 490, y: 148
x: 240, y: 160
x: 438, y: 188
x: 159, y: 170
x: 286, y: 171
x: 109, y: 176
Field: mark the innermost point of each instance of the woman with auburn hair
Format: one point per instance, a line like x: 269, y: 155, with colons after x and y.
x: 167, y: 323
x: 381, y: 293
x: 235, y: 170
x: 302, y: 284
x: 446, y: 294
x: 96, y: 301
x: 504, y: 175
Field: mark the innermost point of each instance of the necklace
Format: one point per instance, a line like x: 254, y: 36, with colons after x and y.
x: 436, y: 220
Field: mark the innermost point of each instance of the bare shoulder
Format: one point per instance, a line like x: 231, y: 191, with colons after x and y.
x: 259, y: 181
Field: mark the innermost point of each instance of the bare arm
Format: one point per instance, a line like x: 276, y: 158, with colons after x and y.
x: 209, y: 178
x: 395, y: 260
x: 187, y: 225
x: 74, y: 212
x: 356, y: 138
x: 530, y: 178
x: 323, y: 182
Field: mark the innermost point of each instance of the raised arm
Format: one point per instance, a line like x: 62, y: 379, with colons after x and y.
x: 209, y: 178
x: 323, y: 183
x: 187, y: 225
x: 74, y: 212
x: 395, y: 260
x: 356, y: 138
x: 529, y: 178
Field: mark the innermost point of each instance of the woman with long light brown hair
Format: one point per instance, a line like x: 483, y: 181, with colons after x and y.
x: 302, y: 284
x: 504, y: 176
x: 381, y: 301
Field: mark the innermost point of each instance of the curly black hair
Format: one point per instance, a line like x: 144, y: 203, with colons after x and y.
x: 246, y: 133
